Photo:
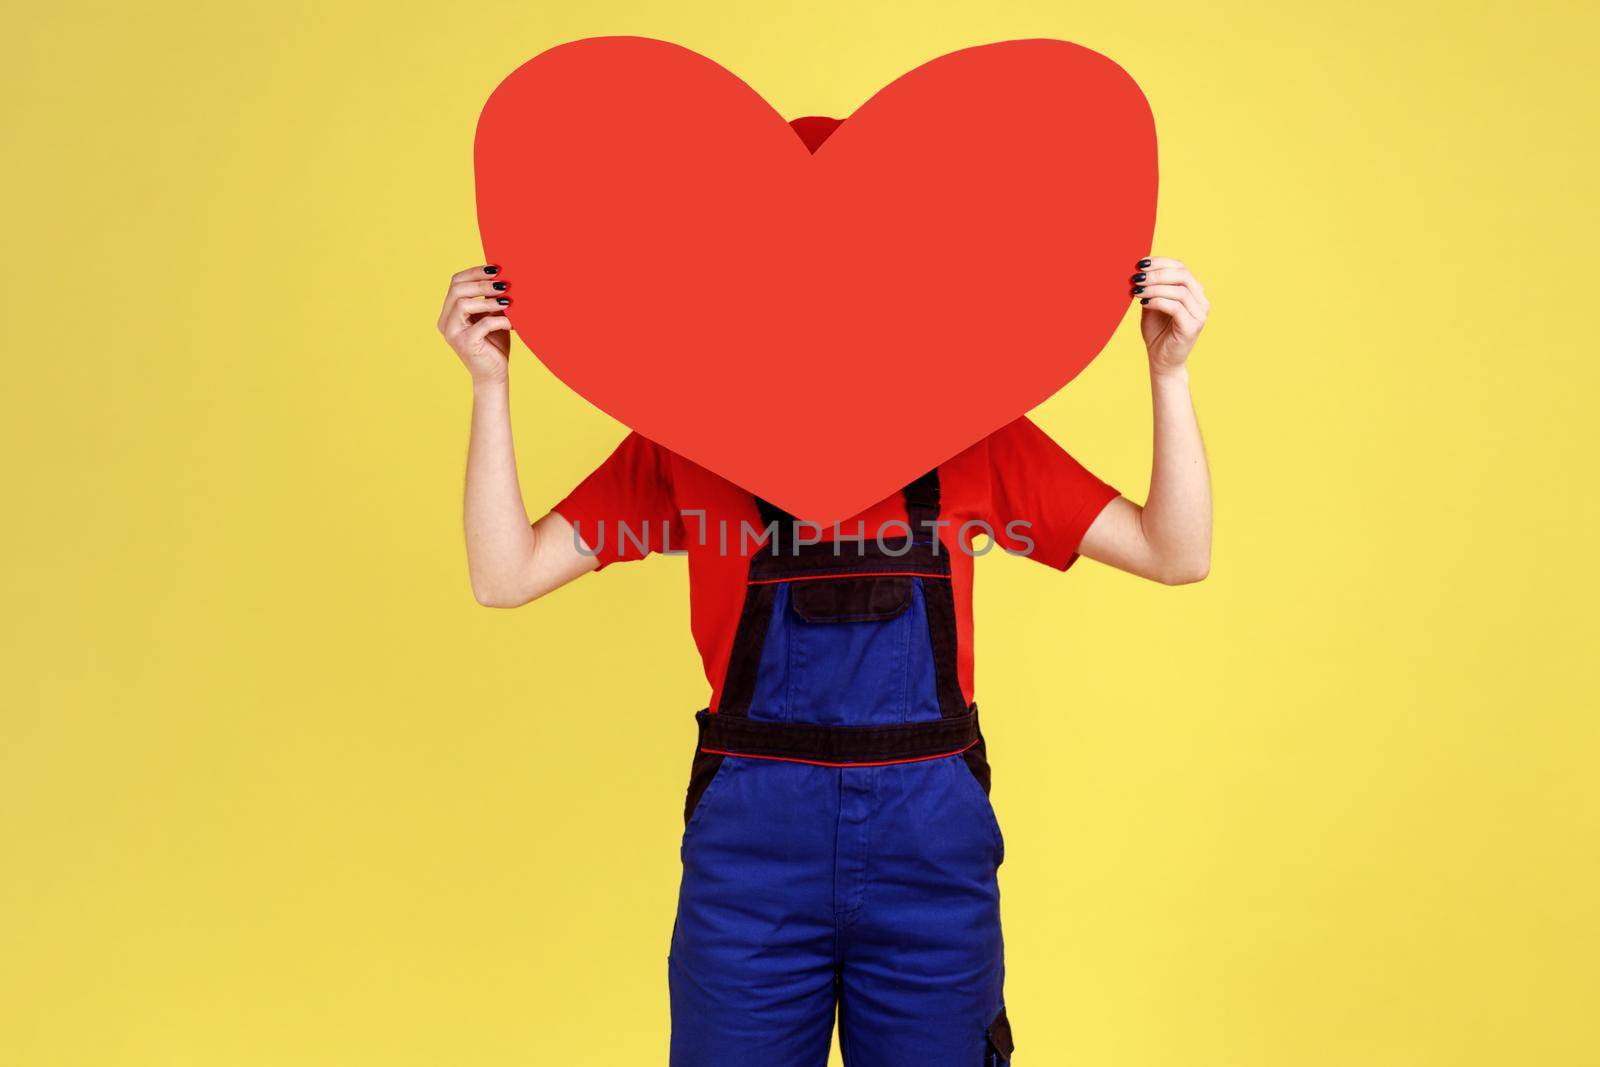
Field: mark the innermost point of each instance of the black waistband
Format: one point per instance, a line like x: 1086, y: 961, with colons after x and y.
x: 843, y: 746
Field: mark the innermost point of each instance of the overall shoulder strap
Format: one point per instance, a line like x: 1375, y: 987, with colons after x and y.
x: 922, y: 506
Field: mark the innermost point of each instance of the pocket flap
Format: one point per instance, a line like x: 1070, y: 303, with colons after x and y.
x: 869, y: 599
x: 1000, y: 1035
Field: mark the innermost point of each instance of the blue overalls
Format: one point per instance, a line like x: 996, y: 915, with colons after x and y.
x: 839, y: 849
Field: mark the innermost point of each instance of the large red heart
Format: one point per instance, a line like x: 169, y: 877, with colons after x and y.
x: 817, y: 328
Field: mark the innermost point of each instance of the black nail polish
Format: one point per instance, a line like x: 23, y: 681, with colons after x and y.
x: 502, y: 300
x: 1138, y: 289
x: 1139, y: 277
x: 499, y: 287
x: 1144, y: 300
x: 491, y: 270
x: 1142, y: 264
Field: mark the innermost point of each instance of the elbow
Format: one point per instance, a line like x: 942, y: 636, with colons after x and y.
x: 494, y: 598
x: 1184, y: 572
x: 499, y: 595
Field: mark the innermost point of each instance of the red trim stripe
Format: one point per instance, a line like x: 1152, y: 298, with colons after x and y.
x: 820, y: 763
x: 847, y: 574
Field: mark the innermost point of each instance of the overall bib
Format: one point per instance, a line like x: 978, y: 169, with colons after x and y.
x: 839, y: 849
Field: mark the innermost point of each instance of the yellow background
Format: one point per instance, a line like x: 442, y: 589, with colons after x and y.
x: 275, y: 790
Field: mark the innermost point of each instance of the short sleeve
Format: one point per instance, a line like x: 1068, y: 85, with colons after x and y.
x: 1043, y: 499
x: 625, y: 508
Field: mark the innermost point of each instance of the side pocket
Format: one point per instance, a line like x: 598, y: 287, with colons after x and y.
x: 1000, y: 1045
x: 977, y: 769
x: 701, y: 774
x: 977, y: 758
x: 708, y: 781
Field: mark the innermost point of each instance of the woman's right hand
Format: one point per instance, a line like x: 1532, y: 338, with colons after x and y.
x: 471, y: 321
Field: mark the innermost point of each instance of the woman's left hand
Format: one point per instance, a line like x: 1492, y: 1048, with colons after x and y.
x: 1175, y: 309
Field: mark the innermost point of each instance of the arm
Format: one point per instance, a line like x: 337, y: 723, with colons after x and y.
x: 1168, y: 539
x: 511, y: 561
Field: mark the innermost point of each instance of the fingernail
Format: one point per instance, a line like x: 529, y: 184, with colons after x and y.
x: 1142, y: 264
x: 502, y: 300
x: 1139, y: 277
x: 1138, y: 289
x: 491, y: 270
x: 1144, y: 300
x: 499, y: 287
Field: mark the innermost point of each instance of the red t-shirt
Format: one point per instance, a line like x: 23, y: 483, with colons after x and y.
x: 1016, y: 485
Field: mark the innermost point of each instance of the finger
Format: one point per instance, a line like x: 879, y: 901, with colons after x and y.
x: 1163, y: 276
x: 487, y: 325
x: 458, y: 314
x: 474, y: 273
x: 1169, y: 276
x: 1158, y: 262
x: 1181, y: 293
x: 478, y: 305
x: 483, y: 288
x: 1168, y: 306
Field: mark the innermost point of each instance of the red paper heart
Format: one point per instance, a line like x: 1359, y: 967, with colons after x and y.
x: 669, y: 241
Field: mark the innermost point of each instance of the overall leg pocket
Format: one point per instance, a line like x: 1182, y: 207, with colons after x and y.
x: 999, y: 1041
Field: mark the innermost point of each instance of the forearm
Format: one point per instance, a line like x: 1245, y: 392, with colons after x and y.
x: 500, y: 541
x: 1176, y: 518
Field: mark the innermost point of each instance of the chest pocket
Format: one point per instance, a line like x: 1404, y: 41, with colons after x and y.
x: 848, y: 651
x: 873, y: 599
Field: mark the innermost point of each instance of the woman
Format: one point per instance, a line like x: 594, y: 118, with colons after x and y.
x: 839, y: 850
